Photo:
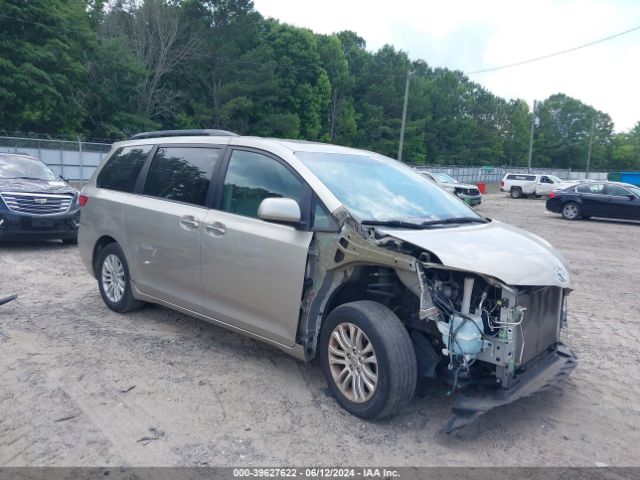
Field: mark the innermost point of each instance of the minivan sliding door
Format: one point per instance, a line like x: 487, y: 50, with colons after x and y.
x: 163, y: 223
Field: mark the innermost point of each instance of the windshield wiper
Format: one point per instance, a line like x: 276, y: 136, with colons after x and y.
x: 393, y: 223
x: 447, y: 221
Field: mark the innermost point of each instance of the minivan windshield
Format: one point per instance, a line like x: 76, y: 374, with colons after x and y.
x: 377, y: 189
x: 14, y: 166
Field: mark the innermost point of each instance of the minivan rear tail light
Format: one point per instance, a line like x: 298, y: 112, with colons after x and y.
x: 552, y: 195
x: 83, y: 199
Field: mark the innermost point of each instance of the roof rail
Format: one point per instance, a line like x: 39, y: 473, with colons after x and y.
x: 184, y: 133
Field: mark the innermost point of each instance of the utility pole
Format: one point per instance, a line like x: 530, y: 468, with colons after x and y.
x: 593, y: 124
x: 410, y: 72
x: 404, y: 114
x: 533, y: 124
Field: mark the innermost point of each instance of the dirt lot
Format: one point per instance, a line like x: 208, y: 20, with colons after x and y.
x: 81, y: 385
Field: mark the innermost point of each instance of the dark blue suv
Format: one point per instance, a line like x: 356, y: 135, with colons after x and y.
x: 35, y: 203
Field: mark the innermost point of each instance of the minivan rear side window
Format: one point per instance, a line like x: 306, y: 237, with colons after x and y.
x: 122, y: 168
x: 182, y: 174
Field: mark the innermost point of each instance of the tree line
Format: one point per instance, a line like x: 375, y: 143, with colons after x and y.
x: 107, y: 69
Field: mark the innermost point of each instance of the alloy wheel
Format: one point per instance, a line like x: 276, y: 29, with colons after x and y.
x: 570, y: 211
x: 113, y: 279
x: 353, y: 362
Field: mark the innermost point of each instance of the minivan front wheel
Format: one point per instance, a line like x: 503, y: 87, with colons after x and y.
x: 367, y: 359
x: 114, y: 280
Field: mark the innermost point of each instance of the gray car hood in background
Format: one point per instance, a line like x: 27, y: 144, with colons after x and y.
x: 34, y: 186
x: 496, y: 249
x: 461, y: 185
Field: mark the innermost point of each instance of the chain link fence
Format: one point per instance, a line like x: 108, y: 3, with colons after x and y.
x: 474, y: 175
x: 75, y: 161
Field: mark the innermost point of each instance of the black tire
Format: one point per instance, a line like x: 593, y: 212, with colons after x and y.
x: 571, y: 211
x: 70, y: 241
x: 394, y: 351
x: 516, y: 192
x: 127, y: 303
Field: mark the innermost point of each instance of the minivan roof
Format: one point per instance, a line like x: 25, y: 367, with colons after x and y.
x: 248, y: 141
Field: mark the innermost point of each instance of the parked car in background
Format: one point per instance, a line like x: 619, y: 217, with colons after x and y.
x: 597, y: 199
x: 470, y: 194
x: 330, y: 252
x: 35, y: 203
x: 525, y: 184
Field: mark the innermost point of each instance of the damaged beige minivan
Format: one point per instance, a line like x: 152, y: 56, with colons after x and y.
x: 333, y: 252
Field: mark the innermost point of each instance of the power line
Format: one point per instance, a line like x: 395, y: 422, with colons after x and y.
x: 68, y: 26
x: 555, y: 54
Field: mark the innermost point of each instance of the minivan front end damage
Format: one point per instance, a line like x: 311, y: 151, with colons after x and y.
x: 499, y: 342
x: 492, y: 342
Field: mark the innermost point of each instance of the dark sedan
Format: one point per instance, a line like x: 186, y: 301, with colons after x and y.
x: 597, y: 199
x: 34, y: 202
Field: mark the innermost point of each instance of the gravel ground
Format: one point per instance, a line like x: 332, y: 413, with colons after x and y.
x: 81, y: 385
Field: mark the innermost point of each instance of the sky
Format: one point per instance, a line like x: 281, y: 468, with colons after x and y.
x: 474, y: 35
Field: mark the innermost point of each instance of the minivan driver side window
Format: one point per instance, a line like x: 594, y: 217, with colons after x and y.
x: 252, y: 177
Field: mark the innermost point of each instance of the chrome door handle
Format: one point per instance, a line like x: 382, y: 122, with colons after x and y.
x: 188, y: 222
x: 215, y: 229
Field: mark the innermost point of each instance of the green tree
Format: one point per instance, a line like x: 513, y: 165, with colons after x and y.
x: 304, y: 86
x: 340, y: 115
x: 43, y: 53
x: 625, y: 150
x: 562, y: 137
x: 516, y: 133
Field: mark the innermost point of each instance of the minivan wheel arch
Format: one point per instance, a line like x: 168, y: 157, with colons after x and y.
x: 99, y: 246
x: 352, y: 287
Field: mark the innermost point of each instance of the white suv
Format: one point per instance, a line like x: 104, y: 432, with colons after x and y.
x: 525, y: 184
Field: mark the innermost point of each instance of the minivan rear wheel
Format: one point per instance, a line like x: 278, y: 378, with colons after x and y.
x: 367, y: 359
x: 114, y: 280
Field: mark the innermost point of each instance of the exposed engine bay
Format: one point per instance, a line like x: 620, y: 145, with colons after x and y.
x: 491, y: 342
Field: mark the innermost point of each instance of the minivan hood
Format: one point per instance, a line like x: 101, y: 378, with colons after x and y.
x: 496, y: 249
x: 34, y: 186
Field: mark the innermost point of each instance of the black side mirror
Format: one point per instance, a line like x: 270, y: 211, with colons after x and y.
x: 632, y: 196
